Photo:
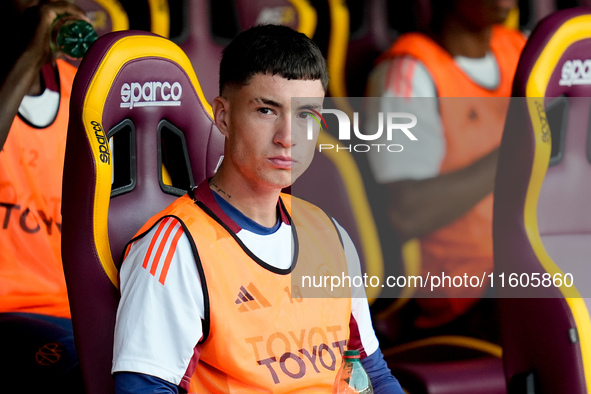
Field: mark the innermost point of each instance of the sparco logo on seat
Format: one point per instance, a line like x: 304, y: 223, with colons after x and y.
x: 151, y: 94
x: 575, y: 72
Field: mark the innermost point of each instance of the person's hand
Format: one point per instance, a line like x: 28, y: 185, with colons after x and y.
x: 42, y: 18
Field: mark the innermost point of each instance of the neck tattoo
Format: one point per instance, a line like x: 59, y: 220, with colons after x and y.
x: 218, y: 189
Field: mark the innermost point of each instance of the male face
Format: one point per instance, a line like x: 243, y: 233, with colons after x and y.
x: 266, y: 131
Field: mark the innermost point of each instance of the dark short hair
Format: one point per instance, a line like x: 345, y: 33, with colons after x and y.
x: 274, y: 50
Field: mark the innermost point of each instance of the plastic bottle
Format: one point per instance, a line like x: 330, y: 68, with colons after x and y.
x: 71, y: 36
x: 352, y: 377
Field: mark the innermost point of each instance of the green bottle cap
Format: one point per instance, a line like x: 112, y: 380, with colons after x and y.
x: 351, y: 354
x: 73, y: 36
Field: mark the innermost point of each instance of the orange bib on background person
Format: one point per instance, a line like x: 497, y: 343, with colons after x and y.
x: 31, y: 168
x: 472, y: 128
x: 260, y: 334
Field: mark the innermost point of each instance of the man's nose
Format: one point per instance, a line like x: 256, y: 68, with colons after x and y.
x: 283, y: 133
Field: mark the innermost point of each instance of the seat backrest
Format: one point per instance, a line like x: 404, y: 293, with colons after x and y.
x: 106, y: 15
x: 297, y: 14
x: 206, y: 26
x: 532, y: 11
x: 148, y: 15
x: 159, y: 17
x: 140, y: 134
x: 354, y: 46
x: 542, y: 219
x: 334, y: 182
x: 197, y: 41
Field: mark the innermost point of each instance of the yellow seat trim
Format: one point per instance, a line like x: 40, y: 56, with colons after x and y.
x: 159, y: 17
x: 308, y: 18
x: 119, y: 19
x: 574, y: 30
x: 449, y: 340
x: 368, y: 233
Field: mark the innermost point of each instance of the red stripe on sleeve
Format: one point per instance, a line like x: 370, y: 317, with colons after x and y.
x: 170, y: 253
x: 390, y: 81
x: 410, y: 70
x: 154, y: 239
x: 400, y: 75
x: 161, y: 246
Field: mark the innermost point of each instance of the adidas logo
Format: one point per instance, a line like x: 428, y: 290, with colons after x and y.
x: 250, y: 298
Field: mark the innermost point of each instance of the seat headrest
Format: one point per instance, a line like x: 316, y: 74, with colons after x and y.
x: 552, y: 64
x: 106, y: 16
x: 118, y: 86
x: 278, y: 12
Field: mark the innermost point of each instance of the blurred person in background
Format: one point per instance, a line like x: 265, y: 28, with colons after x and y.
x: 439, y: 188
x: 38, y: 352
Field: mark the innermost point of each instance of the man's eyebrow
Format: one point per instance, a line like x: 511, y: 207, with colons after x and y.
x: 310, y: 106
x: 267, y: 101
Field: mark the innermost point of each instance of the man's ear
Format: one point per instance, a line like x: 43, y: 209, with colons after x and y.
x: 220, y: 107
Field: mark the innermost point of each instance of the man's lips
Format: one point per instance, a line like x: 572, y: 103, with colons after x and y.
x: 282, y: 161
